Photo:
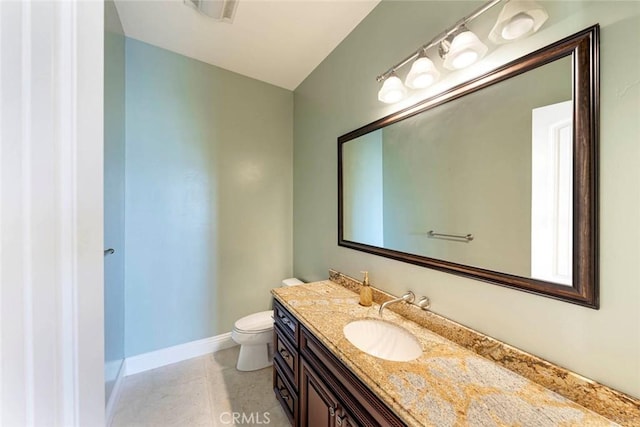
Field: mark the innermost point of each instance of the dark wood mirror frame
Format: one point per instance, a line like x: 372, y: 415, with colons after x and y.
x: 584, y: 49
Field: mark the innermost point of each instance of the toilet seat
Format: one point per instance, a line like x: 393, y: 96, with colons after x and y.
x: 255, y: 323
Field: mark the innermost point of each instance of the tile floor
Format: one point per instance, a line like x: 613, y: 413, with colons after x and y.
x: 201, y: 392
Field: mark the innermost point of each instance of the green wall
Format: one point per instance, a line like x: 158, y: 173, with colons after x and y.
x: 208, y: 197
x: 340, y: 95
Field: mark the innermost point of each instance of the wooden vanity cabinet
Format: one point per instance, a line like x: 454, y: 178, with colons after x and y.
x: 314, y: 388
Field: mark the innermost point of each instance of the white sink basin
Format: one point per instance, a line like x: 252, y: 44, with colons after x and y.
x: 383, y: 339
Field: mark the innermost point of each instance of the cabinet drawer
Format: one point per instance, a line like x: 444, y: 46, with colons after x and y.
x: 285, y: 394
x: 286, y: 321
x: 286, y: 355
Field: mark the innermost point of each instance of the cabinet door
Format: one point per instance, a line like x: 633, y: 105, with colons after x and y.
x: 317, y: 404
x: 365, y: 408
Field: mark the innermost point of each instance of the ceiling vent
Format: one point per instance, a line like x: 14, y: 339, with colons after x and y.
x: 220, y: 10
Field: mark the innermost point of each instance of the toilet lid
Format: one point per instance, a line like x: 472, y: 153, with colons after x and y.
x: 256, y: 322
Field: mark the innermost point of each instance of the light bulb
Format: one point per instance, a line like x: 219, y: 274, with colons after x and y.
x: 518, y: 26
x: 392, y: 90
x: 466, y: 48
x: 518, y: 19
x: 423, y: 73
x: 464, y: 59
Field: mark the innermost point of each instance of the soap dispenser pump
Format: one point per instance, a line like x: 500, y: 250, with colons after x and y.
x: 366, y: 294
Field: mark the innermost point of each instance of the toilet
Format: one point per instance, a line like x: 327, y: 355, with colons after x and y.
x: 254, y: 333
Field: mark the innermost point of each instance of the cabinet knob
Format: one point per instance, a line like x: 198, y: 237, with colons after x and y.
x: 287, y: 322
x: 284, y: 393
x: 340, y: 419
x: 332, y: 411
x: 284, y: 353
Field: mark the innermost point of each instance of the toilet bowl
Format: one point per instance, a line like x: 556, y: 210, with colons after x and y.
x: 254, y: 333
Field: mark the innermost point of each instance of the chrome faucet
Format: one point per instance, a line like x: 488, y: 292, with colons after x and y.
x: 408, y: 297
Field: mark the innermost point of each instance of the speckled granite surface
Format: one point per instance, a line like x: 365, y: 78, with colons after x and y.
x: 610, y: 403
x: 448, y: 385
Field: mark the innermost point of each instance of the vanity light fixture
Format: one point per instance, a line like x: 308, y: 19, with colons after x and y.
x: 219, y: 10
x: 392, y: 89
x: 459, y: 47
x: 423, y: 73
x: 518, y: 19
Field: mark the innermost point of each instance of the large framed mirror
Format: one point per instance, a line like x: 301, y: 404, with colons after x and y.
x: 495, y: 179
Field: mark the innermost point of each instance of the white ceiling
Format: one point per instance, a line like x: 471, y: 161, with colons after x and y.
x: 276, y: 41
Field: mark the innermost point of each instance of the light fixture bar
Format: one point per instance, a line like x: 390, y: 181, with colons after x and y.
x: 440, y: 37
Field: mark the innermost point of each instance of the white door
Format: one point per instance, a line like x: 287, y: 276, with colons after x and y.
x: 552, y: 192
x: 51, y: 303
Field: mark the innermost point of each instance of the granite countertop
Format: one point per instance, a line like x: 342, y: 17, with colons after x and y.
x: 448, y: 385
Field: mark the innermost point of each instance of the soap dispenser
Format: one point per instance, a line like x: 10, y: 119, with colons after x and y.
x: 366, y: 295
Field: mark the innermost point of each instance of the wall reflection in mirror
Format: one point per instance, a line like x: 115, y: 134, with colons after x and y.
x: 494, y: 179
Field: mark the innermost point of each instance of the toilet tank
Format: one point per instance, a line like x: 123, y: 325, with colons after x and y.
x: 291, y: 282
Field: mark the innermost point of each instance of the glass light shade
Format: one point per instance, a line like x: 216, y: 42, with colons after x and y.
x: 517, y: 26
x: 220, y: 10
x: 392, y: 90
x: 423, y: 73
x: 518, y: 19
x: 466, y: 48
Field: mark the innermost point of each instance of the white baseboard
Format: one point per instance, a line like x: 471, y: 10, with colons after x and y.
x: 115, y: 394
x: 178, y: 353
